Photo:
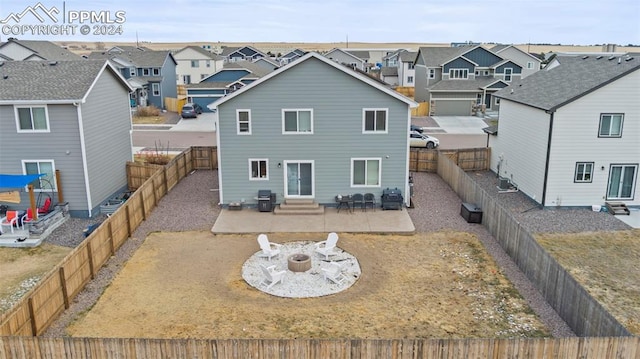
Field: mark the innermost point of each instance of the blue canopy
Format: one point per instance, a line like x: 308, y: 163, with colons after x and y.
x: 17, y: 181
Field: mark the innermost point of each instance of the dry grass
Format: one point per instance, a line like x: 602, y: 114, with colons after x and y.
x: 607, y: 266
x: 21, y: 268
x: 189, y: 285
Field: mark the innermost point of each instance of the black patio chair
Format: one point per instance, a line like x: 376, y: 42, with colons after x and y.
x: 369, y: 199
x: 358, y: 199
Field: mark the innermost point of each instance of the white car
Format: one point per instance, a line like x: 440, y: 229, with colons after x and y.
x: 418, y: 139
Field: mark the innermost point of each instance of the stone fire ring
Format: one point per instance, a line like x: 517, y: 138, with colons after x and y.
x: 299, y: 282
x: 299, y: 262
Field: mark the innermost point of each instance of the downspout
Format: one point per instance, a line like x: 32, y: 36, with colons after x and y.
x: 83, y: 151
x: 546, y: 164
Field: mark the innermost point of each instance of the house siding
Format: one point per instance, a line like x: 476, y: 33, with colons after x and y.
x: 421, y: 80
x: 337, y: 100
x: 459, y: 64
x: 522, y: 143
x: 342, y: 58
x: 184, y: 57
x: 63, y: 137
x: 579, y: 122
x: 169, y: 78
x: 482, y: 57
x: 107, y: 124
x: 521, y: 59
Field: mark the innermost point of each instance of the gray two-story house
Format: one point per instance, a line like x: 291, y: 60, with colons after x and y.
x: 312, y: 129
x: 151, y: 73
x: 455, y: 80
x: 71, y: 116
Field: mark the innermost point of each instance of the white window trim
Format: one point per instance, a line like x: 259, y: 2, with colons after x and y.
x: 297, y: 110
x: 379, y: 159
x: 409, y: 79
x: 155, y: 71
x: 451, y: 71
x: 155, y: 86
x: 17, y: 117
x: 146, y: 72
x: 510, y: 74
x: 132, y: 71
x: 266, y: 178
x: 53, y: 174
x: 635, y: 180
x: 238, y: 121
x: 196, y: 62
x: 530, y: 65
x: 386, y: 125
x: 584, y: 164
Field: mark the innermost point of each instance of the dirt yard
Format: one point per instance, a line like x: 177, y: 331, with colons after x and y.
x: 21, y: 268
x: 189, y: 285
x: 606, y: 264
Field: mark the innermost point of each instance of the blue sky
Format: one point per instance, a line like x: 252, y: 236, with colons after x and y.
x: 577, y: 22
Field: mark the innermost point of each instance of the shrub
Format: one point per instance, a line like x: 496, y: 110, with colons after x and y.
x: 148, y: 111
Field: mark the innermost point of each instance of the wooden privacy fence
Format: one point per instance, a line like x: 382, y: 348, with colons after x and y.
x: 568, y: 348
x: 173, y: 104
x: 584, y: 314
x: 39, y: 307
x: 470, y: 159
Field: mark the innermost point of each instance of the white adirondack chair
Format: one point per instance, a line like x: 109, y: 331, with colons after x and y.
x: 333, y: 272
x: 327, y: 248
x: 273, y: 276
x: 269, y: 249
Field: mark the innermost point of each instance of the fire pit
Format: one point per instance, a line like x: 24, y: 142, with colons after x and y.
x: 299, y: 262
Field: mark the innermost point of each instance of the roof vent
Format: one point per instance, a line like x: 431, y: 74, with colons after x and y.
x: 5, y: 76
x: 511, y: 90
x: 598, y: 57
x: 585, y: 57
x: 629, y: 58
x: 53, y: 63
x: 611, y: 57
x: 619, y: 60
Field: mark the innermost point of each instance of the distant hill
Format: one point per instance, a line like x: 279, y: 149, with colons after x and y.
x: 282, y: 47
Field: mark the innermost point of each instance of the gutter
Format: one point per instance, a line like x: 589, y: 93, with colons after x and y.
x: 546, y: 164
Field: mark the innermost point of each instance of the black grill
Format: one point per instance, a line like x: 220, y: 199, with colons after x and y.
x: 392, y: 199
x: 264, y: 200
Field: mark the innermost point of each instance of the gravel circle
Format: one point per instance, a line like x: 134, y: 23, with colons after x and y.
x: 308, y: 284
x: 436, y: 207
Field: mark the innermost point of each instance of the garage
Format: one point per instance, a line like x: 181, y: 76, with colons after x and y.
x: 451, y: 108
x: 204, y: 101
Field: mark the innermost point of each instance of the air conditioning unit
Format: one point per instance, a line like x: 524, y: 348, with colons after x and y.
x: 504, y: 184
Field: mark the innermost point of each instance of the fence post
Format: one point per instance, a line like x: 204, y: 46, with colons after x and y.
x: 32, y: 314
x: 111, y: 244
x: 128, y: 219
x: 91, y: 270
x: 63, y: 284
x: 144, y: 211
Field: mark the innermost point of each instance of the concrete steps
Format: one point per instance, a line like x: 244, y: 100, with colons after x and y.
x: 299, y: 207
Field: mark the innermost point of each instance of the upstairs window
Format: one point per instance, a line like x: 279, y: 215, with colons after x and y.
x: 459, y: 74
x: 195, y: 63
x: 297, y: 121
x: 611, y: 125
x: 374, y: 120
x: 32, y: 119
x: 156, y: 72
x: 530, y: 65
x: 244, y: 122
x: 411, y: 65
x: 584, y: 172
x: 146, y: 72
x: 507, y: 74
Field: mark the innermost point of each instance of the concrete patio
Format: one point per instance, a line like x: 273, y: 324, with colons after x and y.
x: 250, y: 220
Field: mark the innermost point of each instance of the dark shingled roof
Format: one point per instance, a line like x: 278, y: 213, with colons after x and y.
x: 389, y: 71
x: 146, y: 58
x: 42, y: 81
x: 361, y: 54
x: 437, y: 56
x: 408, y: 56
x: 574, y: 78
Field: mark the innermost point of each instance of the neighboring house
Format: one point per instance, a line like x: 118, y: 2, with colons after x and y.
x: 391, y: 60
x: 406, y: 69
x: 71, y: 116
x: 231, y: 77
x: 456, y: 80
x: 570, y: 136
x: 266, y: 63
x: 389, y: 75
x: 291, y: 56
x: 27, y: 50
x: 244, y: 53
x: 312, y: 129
x: 151, y: 73
x: 530, y: 64
x: 347, y: 58
x: 195, y: 63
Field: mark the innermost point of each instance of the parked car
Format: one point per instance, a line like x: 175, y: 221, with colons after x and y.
x: 416, y: 128
x: 418, y: 139
x: 190, y: 110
